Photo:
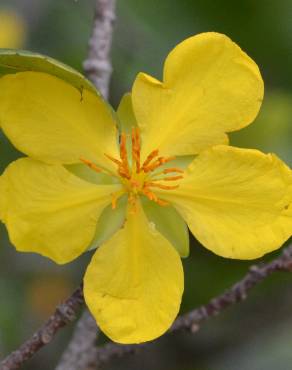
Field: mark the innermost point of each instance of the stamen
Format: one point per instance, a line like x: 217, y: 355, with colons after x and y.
x: 115, y: 197
x: 152, y: 196
x: 149, y: 194
x: 155, y: 177
x: 162, y: 203
x: 136, y: 148
x: 124, y: 172
x: 161, y: 186
x: 123, y: 148
x: 167, y: 159
x: 124, y: 168
x: 151, y: 167
x: 116, y: 161
x: 141, y: 178
x: 171, y: 178
x: 160, y: 161
x: 174, y: 169
x: 114, y: 202
x: 151, y: 156
x: 91, y: 165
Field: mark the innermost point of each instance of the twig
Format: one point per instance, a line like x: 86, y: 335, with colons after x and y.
x: 64, y: 314
x: 81, y: 353
x: 192, y: 320
x: 98, y: 66
x: 237, y: 293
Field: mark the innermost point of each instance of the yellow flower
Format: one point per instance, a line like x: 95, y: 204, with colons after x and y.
x: 235, y: 201
x: 12, y: 30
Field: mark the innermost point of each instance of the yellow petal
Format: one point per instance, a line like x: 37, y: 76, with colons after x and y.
x: 210, y: 87
x: 50, y: 211
x: 48, y: 119
x: 236, y: 201
x: 134, y: 283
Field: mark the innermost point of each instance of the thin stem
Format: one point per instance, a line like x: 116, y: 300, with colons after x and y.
x: 98, y: 69
x: 97, y: 66
x: 190, y: 321
x: 63, y: 315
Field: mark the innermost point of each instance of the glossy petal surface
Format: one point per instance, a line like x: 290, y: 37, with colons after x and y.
x: 49, y: 120
x: 134, y: 283
x: 50, y: 211
x: 237, y: 202
x: 210, y: 87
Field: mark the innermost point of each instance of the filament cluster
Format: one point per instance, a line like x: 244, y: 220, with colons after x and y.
x: 140, y: 177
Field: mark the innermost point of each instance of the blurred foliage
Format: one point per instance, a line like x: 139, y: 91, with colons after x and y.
x: 12, y: 30
x: 254, y: 335
x: 272, y: 130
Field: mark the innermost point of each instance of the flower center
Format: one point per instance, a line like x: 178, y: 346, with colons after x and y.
x: 141, y: 178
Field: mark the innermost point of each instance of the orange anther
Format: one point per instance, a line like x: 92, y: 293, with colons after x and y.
x: 151, y: 156
x: 174, y: 169
x: 124, y: 156
x: 116, y: 161
x: 153, y: 166
x: 161, y: 186
x: 137, y: 138
x: 136, y: 182
x: 172, y: 178
x: 124, y: 172
x: 159, y: 161
x: 162, y: 203
x: 114, y: 203
x: 123, y: 147
x: 167, y: 159
x: 114, y: 200
x: 149, y: 194
x: 90, y: 165
x: 136, y: 148
x: 115, y: 197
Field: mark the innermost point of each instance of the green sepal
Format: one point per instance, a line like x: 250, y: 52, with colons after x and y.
x: 169, y: 223
x: 126, y: 116
x: 13, y: 61
x: 126, y: 121
x: 87, y: 174
x: 110, y: 221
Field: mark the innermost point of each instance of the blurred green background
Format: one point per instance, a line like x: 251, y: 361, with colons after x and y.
x: 254, y: 335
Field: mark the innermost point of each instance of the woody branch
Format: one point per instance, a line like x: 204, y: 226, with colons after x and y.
x: 191, y: 321
x: 98, y: 68
x: 81, y: 351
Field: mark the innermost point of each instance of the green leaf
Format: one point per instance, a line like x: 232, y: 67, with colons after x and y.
x: 169, y: 223
x: 110, y: 221
x: 13, y: 61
